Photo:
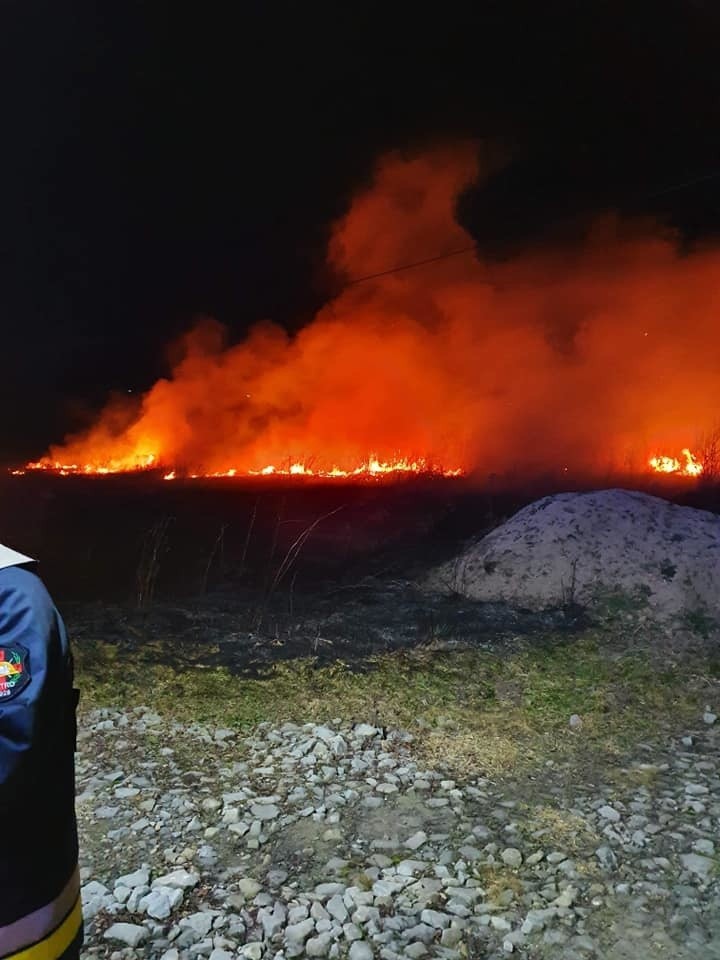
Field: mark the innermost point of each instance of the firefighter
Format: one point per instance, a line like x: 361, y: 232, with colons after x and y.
x: 40, y: 909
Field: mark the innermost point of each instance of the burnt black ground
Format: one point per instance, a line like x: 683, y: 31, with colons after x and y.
x: 343, y: 623
x: 243, y: 573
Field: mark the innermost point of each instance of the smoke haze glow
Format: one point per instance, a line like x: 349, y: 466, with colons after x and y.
x: 592, y: 359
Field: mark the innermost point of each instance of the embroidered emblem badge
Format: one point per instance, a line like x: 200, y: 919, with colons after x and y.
x: 14, y: 672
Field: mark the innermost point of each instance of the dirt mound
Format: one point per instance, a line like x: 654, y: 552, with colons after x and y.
x: 601, y: 549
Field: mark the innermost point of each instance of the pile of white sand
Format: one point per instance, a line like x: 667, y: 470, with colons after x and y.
x: 589, y: 548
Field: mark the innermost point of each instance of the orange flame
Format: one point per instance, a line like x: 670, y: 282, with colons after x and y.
x: 370, y: 468
x: 690, y: 466
x: 551, y: 358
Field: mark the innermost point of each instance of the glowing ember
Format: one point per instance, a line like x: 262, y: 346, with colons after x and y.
x: 690, y: 466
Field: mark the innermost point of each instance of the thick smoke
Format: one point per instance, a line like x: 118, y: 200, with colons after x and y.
x: 591, y: 358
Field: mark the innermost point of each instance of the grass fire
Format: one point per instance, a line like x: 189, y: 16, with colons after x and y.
x: 689, y: 466
x: 585, y: 361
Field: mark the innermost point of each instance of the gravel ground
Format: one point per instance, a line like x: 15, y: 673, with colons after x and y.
x: 334, y: 841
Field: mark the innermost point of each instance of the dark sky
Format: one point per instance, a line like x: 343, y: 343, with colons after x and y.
x: 161, y: 160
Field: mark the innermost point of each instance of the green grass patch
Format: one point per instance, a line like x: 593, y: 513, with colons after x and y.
x: 473, y: 712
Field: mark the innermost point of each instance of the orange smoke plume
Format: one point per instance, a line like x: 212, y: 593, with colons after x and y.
x: 592, y: 360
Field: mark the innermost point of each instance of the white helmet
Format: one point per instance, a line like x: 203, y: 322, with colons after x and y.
x: 11, y: 558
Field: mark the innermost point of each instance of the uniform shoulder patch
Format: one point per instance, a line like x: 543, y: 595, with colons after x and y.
x: 14, y: 672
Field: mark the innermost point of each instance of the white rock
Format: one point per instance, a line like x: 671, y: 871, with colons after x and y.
x: 121, y: 893
x: 319, y: 946
x: 706, y: 847
x: 318, y: 911
x: 324, y: 733
x: 336, y: 908
x: 451, y: 937
x: 95, y: 897
x: 252, y: 950
x: 434, y: 918
x: 182, y: 879
x: 93, y: 906
x: 298, y: 913
x: 609, y: 813
x: 93, y: 889
x: 386, y: 788
x: 556, y: 856
x: 416, y: 840
x: 135, y: 897
x: 697, y: 864
x: 360, y: 950
x: 201, y: 923
x: 156, y: 905
x: 363, y: 731
x: 512, y: 857
x: 272, y: 921
x: 338, y: 746
x: 537, y: 920
x: 201, y: 949
x: 299, y: 932
x: 567, y: 897
x: 329, y: 889
x: 160, y: 902
x: 415, y: 951
x: 249, y: 887
x: 131, y: 934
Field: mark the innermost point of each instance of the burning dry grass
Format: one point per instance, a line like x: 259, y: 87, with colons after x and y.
x: 447, y: 701
x: 589, y: 360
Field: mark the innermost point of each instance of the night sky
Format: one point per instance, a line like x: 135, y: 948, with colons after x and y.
x: 164, y: 160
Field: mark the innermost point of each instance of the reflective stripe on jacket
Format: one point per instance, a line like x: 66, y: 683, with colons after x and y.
x: 48, y: 933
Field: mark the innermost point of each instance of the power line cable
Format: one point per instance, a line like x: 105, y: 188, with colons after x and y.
x: 681, y: 186
x: 476, y: 246
x: 410, y: 266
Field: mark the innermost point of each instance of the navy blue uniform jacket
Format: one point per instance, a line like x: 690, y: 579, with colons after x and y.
x: 39, y: 888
